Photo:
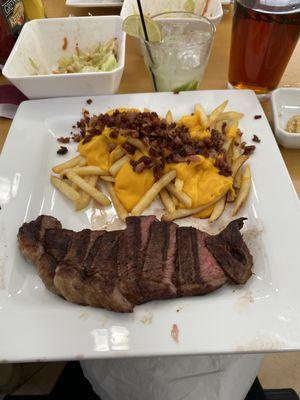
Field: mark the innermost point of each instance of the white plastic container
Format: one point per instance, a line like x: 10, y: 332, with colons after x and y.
x: 285, y: 104
x: 214, y: 10
x: 42, y: 40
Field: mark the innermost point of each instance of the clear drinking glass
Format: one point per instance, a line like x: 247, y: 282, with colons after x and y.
x: 178, y: 62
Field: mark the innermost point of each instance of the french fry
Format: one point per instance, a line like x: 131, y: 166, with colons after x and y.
x: 199, y: 111
x: 244, y: 190
x: 231, y: 128
x: 230, y: 115
x: 218, y: 209
x: 167, y: 201
x: 150, y: 195
x: 85, y: 198
x: 85, y: 171
x: 117, y: 154
x: 120, y: 209
x: 74, y: 186
x: 179, y: 184
x: 115, y: 168
x: 216, y: 112
x: 107, y: 178
x: 227, y: 145
x: 236, y: 147
x: 82, y: 162
x: 218, y: 125
x: 73, y: 162
x: 237, y: 163
x: 86, y: 187
x: 236, y: 166
x: 169, y: 117
x: 236, y: 152
x: 186, y: 212
x: 65, y: 188
x: 175, y: 200
x: 137, y: 143
x: 181, y: 196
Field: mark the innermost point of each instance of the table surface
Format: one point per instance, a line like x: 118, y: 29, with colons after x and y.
x: 136, y: 79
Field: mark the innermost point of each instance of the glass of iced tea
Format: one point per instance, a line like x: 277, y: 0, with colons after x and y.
x: 264, y: 35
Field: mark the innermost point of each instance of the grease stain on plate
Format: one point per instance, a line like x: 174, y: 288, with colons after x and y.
x: 147, y: 318
x: 175, y: 333
x: 264, y: 342
x: 104, y: 322
x: 84, y: 316
x: 244, y: 301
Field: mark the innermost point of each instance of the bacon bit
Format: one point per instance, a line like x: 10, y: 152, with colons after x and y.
x: 257, y: 116
x: 224, y: 128
x: 87, y: 139
x: 147, y: 161
x: 65, y: 43
x: 139, y: 168
x: 256, y: 139
x: 85, y: 113
x: 249, y: 149
x: 62, y: 150
x: 114, y: 134
x: 193, y: 158
x: 63, y: 139
x: 175, y: 333
x: 76, y: 138
x: 223, y: 166
x: 129, y: 148
x: 158, y: 172
x: 89, y: 101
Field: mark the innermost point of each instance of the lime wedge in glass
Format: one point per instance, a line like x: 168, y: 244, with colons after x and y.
x: 133, y: 26
x: 189, y: 6
x: 191, y: 85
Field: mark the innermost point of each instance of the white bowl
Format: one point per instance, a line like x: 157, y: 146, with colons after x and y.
x: 214, y: 11
x: 42, y: 40
x: 285, y: 104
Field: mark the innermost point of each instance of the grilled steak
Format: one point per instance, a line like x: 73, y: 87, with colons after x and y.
x: 101, y: 275
x: 131, y: 254
x: 31, y: 234
x: 231, y: 252
x: 149, y: 260
x: 158, y: 280
x: 68, y: 272
x: 30, y: 238
x: 198, y: 271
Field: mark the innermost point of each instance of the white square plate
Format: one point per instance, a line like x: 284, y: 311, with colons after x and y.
x: 263, y: 315
x: 94, y: 3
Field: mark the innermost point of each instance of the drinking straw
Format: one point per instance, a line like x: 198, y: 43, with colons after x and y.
x: 146, y: 40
